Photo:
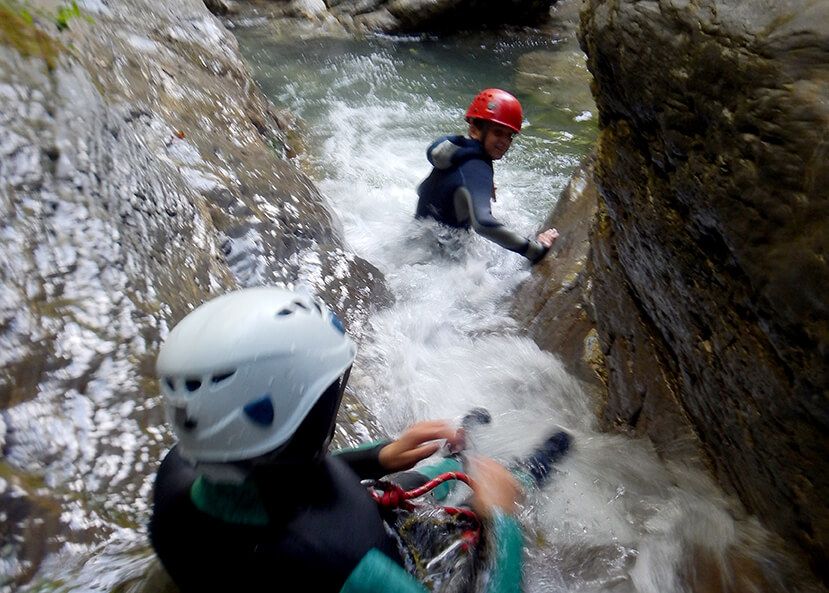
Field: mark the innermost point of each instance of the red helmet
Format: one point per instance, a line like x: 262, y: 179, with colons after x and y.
x: 496, y: 106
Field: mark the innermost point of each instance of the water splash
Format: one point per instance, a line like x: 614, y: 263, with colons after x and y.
x: 613, y: 517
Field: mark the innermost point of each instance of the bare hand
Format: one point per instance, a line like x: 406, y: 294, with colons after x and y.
x: 417, y: 442
x: 548, y: 237
x: 495, y: 488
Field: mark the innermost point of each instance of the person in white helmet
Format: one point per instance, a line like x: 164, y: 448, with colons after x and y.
x: 249, y: 497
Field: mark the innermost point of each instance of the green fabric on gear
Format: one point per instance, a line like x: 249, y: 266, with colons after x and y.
x: 232, y: 503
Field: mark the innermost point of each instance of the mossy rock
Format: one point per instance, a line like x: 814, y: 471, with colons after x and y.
x: 19, y: 31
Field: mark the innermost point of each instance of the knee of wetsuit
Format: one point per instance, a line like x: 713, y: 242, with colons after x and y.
x: 447, y: 464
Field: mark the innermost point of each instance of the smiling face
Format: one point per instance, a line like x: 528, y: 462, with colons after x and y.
x: 496, y: 138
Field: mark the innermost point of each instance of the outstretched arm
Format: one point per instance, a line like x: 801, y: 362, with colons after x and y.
x: 364, y: 460
x: 472, y: 199
x: 419, y: 441
x: 496, y: 493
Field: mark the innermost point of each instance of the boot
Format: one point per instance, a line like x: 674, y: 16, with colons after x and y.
x: 539, y: 464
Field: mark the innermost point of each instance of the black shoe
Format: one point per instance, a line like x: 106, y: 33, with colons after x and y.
x: 476, y: 417
x: 551, y: 451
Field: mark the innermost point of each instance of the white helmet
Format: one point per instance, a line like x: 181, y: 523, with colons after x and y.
x: 242, y: 371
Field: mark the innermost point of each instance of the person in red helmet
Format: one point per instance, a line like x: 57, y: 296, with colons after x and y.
x: 460, y: 187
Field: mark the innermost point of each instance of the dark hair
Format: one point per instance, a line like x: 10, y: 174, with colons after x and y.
x: 479, y: 123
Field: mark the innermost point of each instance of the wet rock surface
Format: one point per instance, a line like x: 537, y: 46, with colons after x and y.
x: 708, y: 251
x: 395, y: 16
x: 141, y: 173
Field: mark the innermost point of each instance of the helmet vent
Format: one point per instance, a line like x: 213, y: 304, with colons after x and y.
x: 216, y: 379
x: 261, y: 410
x: 335, y: 321
x: 192, y: 384
x: 290, y: 309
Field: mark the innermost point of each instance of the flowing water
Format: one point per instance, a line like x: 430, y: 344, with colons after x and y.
x: 614, y: 518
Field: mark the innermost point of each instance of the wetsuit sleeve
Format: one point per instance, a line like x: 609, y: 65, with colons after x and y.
x: 364, y: 460
x: 441, y: 152
x: 473, y: 198
x: 506, y: 564
x: 377, y: 573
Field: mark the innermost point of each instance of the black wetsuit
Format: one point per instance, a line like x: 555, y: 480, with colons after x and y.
x: 317, y: 528
x: 458, y: 192
x: 321, y: 524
